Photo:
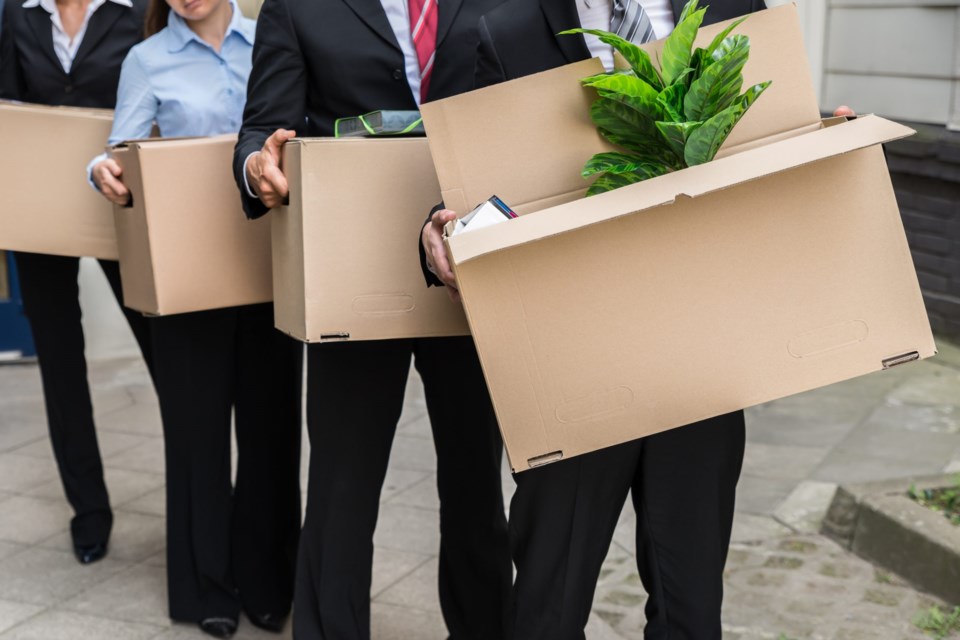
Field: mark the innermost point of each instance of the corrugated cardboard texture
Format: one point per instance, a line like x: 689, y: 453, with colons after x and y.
x: 48, y: 207
x: 774, y: 270
x: 185, y: 244
x: 687, y: 311
x: 559, y: 136
x: 345, y: 265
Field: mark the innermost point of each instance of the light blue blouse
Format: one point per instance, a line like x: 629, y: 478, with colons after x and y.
x: 182, y: 83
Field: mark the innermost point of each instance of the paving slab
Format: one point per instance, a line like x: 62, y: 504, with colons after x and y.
x: 781, y: 579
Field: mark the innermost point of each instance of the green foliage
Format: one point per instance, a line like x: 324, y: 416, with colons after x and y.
x: 937, y: 623
x: 671, y: 117
x: 945, y: 500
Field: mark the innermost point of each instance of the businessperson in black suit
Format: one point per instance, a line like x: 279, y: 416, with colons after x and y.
x: 682, y: 481
x: 315, y: 61
x: 73, y: 62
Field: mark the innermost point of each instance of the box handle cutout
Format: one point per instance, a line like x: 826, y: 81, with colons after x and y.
x: 335, y: 336
x: 547, y: 458
x: 901, y: 359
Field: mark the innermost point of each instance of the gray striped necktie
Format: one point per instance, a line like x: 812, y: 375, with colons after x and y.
x: 631, y: 22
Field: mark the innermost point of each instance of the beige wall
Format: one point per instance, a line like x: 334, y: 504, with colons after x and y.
x: 897, y: 58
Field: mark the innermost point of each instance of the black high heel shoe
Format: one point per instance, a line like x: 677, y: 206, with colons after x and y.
x: 271, y: 622
x: 219, y: 627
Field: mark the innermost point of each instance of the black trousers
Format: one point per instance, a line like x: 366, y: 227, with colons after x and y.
x: 51, y: 299
x: 229, y: 546
x: 354, y: 398
x: 563, y: 516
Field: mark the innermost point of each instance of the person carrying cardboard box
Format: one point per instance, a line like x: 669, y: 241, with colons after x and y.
x: 683, y: 481
x: 230, y: 546
x: 315, y: 62
x: 69, y: 54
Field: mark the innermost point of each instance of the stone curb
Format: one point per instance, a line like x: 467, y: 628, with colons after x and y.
x: 879, y: 522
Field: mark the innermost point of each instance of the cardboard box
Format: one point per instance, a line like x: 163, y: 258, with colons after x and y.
x: 48, y: 206
x: 185, y: 244
x: 778, y: 268
x: 344, y: 250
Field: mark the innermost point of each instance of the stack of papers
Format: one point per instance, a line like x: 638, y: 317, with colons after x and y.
x: 490, y: 212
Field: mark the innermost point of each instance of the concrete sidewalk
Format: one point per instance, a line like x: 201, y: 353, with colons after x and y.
x: 783, y: 579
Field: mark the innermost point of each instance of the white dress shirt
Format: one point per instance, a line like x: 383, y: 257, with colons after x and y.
x: 596, y: 14
x: 398, y: 13
x: 65, y: 48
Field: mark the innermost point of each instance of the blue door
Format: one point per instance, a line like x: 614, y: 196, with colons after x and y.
x: 16, y: 343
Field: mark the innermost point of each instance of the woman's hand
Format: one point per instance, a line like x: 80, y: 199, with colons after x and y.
x: 108, y: 176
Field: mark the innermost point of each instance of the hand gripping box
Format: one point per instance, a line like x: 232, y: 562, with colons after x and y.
x: 345, y: 263
x: 185, y: 244
x: 48, y: 206
x: 780, y: 267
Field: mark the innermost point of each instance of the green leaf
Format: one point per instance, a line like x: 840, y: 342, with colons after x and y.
x: 677, y: 133
x: 728, y: 44
x: 723, y: 35
x: 671, y: 99
x: 720, y: 83
x: 611, y: 181
x: 705, y: 141
x: 677, y: 47
x: 629, y: 90
x: 649, y: 150
x: 611, y: 162
x: 625, y: 122
x: 637, y: 58
x: 687, y: 9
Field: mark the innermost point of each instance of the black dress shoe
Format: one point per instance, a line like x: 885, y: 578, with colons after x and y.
x: 272, y: 622
x: 219, y: 627
x: 90, y: 553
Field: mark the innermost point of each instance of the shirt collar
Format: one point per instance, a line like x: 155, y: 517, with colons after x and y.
x: 180, y: 34
x: 50, y: 6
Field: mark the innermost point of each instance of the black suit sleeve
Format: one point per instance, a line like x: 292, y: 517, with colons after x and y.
x: 276, y: 91
x: 11, y: 78
x: 489, y: 69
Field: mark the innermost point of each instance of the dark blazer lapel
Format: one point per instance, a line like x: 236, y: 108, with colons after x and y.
x: 99, y: 26
x: 371, y: 12
x: 39, y: 21
x: 448, y: 10
x: 562, y: 15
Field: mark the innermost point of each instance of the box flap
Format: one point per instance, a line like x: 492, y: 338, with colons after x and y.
x: 691, y: 182
x: 48, y: 110
x: 531, y: 153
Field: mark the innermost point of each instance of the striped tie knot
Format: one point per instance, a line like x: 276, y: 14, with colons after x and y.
x: 631, y: 22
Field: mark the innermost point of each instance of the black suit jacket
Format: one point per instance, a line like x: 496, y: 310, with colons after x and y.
x: 318, y: 60
x: 31, y: 72
x: 519, y: 38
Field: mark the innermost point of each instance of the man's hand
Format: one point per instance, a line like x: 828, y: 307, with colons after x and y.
x: 845, y: 111
x: 107, y: 175
x: 264, y: 174
x: 432, y: 240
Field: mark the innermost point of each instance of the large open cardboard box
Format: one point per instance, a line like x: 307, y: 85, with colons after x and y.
x: 185, y: 244
x: 778, y: 268
x: 48, y: 206
x: 344, y: 250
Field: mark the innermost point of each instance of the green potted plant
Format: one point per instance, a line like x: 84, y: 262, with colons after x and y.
x: 671, y: 117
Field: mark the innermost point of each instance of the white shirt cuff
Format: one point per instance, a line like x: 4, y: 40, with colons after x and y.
x: 100, y: 158
x: 246, y: 182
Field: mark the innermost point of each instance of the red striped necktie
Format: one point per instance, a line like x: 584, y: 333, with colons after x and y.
x: 423, y: 28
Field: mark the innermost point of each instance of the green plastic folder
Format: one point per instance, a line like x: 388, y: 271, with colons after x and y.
x: 380, y: 123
